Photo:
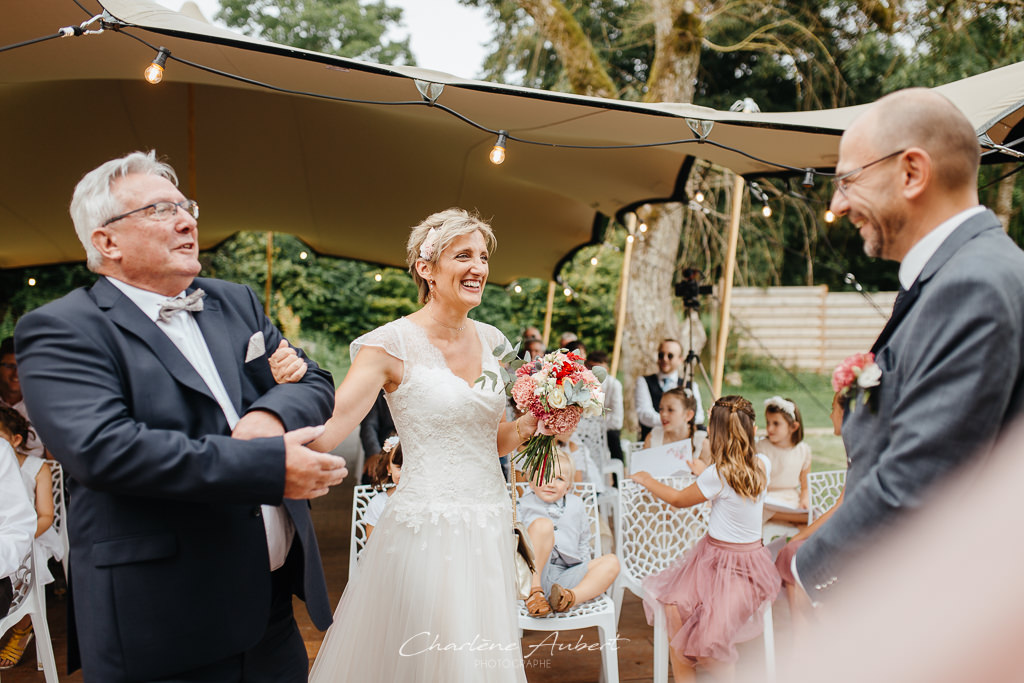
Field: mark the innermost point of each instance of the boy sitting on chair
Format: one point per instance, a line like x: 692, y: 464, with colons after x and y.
x: 560, y: 528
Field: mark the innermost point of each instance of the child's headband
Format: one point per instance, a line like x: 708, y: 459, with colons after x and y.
x: 779, y: 403
x: 389, y: 444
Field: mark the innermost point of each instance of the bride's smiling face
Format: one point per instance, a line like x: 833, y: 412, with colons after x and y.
x: 461, y: 272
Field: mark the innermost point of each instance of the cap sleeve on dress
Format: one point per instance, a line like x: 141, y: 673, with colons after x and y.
x: 493, y: 337
x: 388, y: 337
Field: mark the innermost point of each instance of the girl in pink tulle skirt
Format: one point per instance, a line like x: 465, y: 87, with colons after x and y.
x: 715, y: 593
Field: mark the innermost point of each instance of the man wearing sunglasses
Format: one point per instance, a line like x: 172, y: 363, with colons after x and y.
x: 189, y: 528
x: 650, y: 388
x: 952, y: 354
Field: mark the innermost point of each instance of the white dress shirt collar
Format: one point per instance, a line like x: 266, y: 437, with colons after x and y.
x: 916, y: 259
x: 147, y: 301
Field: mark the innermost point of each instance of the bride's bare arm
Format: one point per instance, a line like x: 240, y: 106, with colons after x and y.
x: 372, y: 369
x: 512, y: 434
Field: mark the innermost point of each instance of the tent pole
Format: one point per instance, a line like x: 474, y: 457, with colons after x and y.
x: 270, y: 271
x: 620, y: 323
x: 191, y: 102
x: 730, y: 268
x: 547, y: 313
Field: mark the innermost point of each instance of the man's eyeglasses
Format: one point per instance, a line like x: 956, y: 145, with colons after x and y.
x: 843, y: 182
x: 662, y: 355
x: 161, y: 211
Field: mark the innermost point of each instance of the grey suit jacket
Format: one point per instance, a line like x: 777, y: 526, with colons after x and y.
x: 952, y: 361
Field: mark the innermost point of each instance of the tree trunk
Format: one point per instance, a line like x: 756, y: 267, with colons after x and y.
x: 1004, y: 201
x: 650, y: 315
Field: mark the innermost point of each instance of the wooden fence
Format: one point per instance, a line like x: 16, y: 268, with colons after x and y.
x: 809, y: 328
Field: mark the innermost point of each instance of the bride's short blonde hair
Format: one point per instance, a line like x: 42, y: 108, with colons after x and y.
x: 446, y: 226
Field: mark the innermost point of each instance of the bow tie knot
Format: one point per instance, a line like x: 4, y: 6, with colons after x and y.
x: 192, y: 302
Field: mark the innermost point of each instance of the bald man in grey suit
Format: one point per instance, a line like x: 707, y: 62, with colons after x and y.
x: 952, y: 354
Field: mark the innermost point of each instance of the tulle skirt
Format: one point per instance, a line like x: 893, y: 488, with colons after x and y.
x: 720, y: 591
x: 428, y: 604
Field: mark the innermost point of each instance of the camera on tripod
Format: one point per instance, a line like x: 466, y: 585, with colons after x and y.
x: 689, y: 289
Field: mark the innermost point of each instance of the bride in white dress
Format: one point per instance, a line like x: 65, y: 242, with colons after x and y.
x: 433, y: 599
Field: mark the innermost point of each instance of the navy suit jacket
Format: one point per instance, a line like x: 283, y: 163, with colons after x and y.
x: 168, y: 551
x: 952, y: 361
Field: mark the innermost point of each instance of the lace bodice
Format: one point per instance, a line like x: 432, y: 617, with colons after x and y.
x: 448, y: 429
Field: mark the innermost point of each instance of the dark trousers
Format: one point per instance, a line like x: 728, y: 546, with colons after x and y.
x: 280, y: 657
x: 615, y: 443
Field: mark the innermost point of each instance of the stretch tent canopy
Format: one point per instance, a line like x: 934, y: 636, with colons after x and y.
x: 351, y: 178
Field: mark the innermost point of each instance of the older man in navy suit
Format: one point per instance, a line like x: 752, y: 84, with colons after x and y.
x: 952, y: 354
x: 189, y: 527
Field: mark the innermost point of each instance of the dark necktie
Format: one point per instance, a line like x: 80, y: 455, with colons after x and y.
x: 192, y: 302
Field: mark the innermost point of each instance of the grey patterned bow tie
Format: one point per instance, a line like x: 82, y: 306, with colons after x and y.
x: 192, y: 302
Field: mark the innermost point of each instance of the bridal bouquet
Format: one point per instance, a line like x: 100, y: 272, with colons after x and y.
x: 558, y: 390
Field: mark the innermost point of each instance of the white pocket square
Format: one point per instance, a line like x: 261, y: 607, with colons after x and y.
x: 256, y: 347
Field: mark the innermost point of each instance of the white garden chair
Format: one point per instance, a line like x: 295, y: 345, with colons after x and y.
x: 650, y: 535
x: 30, y: 599
x: 826, y: 487
x: 60, y: 521
x: 360, y: 499
x: 599, y: 612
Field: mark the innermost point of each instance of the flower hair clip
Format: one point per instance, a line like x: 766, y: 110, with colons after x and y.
x: 779, y: 403
x: 429, y: 244
x: 389, y: 444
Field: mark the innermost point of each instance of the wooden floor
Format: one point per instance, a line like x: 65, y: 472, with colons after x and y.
x: 564, y: 660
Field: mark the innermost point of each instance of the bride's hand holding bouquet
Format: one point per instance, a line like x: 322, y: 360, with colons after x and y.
x: 557, y: 390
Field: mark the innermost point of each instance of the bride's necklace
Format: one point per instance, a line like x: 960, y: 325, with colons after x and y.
x: 450, y: 327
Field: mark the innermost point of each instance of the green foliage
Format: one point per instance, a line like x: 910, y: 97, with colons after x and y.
x: 347, y: 28
x: 51, y: 282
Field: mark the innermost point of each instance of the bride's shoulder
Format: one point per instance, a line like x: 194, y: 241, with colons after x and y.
x: 390, y: 337
x: 492, y: 335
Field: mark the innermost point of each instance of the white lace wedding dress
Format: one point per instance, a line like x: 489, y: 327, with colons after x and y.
x: 433, y: 598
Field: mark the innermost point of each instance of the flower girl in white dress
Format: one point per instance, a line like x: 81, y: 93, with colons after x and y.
x: 433, y: 599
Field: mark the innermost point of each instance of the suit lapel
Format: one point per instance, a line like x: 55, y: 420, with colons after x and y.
x: 125, y: 314
x: 971, y: 228
x: 212, y: 325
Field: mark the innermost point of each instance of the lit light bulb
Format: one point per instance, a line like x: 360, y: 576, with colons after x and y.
x: 593, y: 260
x: 31, y: 282
x: 567, y: 291
x: 303, y: 255
x: 829, y: 216
x: 643, y: 227
x: 699, y: 197
x: 154, y: 73
x: 378, y: 277
x: 767, y: 211
x: 497, y: 155
x: 518, y: 289
x: 629, y: 238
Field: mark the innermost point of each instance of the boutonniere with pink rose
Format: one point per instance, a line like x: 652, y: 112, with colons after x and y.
x: 857, y: 374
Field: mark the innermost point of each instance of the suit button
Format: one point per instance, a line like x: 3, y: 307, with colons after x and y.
x: 257, y: 512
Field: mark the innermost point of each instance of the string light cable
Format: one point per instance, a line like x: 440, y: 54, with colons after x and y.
x: 67, y: 31
x: 111, y: 23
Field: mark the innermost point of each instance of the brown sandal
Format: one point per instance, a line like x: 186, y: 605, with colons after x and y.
x: 536, y: 605
x: 561, y: 599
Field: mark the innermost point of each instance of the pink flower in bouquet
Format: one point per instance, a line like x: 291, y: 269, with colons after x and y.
x: 522, y: 392
x: 856, y: 373
x: 564, y: 420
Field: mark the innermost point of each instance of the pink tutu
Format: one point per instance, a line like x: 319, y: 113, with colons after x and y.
x: 720, y: 590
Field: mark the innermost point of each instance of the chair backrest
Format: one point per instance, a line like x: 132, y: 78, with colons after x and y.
x: 588, y: 493
x: 592, y: 433
x: 21, y: 582
x: 825, y: 490
x: 651, y: 534
x: 60, y: 515
x: 360, y: 499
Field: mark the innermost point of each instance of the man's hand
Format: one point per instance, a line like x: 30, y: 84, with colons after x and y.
x: 258, y: 424
x: 286, y: 365
x: 308, y: 473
